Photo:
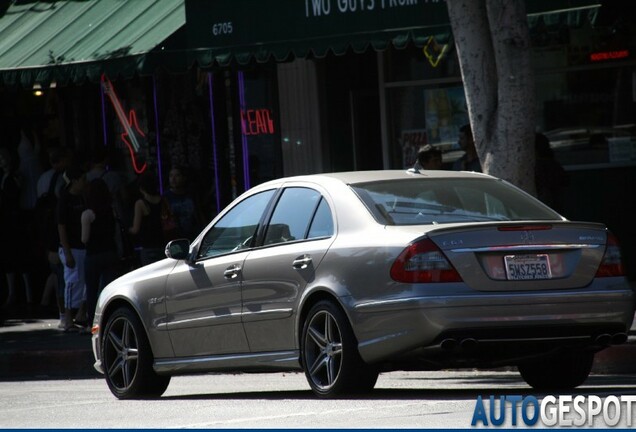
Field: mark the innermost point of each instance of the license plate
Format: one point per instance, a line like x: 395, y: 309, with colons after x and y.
x: 527, y: 267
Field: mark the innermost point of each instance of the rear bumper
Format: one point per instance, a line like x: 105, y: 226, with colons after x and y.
x: 390, y: 328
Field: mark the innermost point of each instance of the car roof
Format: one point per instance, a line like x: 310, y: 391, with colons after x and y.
x: 353, y: 177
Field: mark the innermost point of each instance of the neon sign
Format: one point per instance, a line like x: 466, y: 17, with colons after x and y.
x: 257, y: 122
x: 434, y: 51
x: 609, y: 55
x: 132, y: 132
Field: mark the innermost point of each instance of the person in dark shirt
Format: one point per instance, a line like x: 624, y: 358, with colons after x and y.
x: 49, y: 187
x: 98, y: 234
x: 470, y: 160
x: 184, y: 204
x: 12, y: 260
x: 147, y: 221
x: 429, y: 158
x: 72, y: 251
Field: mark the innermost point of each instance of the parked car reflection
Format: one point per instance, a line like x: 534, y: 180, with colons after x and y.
x: 593, y: 145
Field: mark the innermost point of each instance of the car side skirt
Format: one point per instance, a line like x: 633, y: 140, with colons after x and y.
x: 249, y: 362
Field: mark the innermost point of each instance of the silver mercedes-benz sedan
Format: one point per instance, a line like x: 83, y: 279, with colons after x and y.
x: 348, y: 275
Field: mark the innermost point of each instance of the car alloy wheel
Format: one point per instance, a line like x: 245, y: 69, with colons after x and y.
x: 329, y: 353
x: 127, y: 358
x: 323, y: 350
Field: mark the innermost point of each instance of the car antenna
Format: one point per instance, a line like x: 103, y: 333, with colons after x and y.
x: 415, y: 169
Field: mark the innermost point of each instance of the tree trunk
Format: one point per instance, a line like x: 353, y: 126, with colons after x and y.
x: 493, y: 47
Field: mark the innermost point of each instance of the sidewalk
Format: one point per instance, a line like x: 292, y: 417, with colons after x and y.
x: 37, y: 349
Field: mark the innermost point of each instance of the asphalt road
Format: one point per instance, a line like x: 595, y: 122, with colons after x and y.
x: 401, y: 400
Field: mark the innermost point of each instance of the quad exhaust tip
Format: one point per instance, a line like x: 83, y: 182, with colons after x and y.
x: 619, y: 338
x: 448, y: 344
x: 614, y: 339
x: 603, y: 339
x: 468, y: 343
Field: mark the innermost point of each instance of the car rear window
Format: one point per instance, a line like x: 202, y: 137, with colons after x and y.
x: 437, y: 201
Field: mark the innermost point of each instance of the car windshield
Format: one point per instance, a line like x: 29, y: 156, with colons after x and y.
x: 437, y: 201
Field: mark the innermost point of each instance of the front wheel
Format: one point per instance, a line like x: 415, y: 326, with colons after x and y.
x: 559, y: 372
x: 330, y: 355
x: 127, y: 358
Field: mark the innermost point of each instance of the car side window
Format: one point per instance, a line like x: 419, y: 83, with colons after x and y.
x: 292, y: 215
x: 322, y: 224
x: 235, y: 230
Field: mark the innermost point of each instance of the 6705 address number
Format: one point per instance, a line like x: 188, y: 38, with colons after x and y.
x: 224, y: 28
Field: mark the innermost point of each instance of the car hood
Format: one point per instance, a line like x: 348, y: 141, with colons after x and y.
x: 153, y: 270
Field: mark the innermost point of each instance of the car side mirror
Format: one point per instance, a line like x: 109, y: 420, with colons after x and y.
x: 178, y: 249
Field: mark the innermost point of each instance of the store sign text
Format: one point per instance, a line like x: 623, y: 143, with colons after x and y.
x: 257, y: 122
x: 609, y: 55
x: 316, y: 8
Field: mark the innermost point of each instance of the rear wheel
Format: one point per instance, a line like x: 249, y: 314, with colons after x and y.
x: 560, y: 372
x: 127, y: 358
x: 330, y: 355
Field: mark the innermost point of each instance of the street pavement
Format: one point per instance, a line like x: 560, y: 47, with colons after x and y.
x: 36, y: 348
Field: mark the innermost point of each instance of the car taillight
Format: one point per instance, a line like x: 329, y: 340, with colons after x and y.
x: 612, y: 263
x: 423, y: 262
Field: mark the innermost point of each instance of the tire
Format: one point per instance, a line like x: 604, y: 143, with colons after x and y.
x: 127, y: 358
x: 561, y: 372
x: 329, y: 354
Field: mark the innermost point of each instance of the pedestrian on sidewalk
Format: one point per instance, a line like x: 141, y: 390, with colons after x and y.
x: 184, y: 204
x: 49, y: 187
x: 72, y: 251
x: 98, y: 235
x: 147, y: 220
x: 12, y: 262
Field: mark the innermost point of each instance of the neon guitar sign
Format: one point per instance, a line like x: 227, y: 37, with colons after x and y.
x: 132, y: 132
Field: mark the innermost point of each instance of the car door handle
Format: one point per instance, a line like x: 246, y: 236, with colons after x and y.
x: 232, y: 271
x: 302, y: 262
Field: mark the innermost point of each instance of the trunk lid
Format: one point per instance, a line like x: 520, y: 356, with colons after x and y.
x: 523, y: 256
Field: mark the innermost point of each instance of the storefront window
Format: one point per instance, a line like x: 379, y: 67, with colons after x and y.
x: 585, y: 83
x: 585, y: 89
x: 584, y: 35
x: 425, y: 115
x: 259, y: 126
x: 589, y: 115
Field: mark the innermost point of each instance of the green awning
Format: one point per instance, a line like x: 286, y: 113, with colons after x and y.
x: 221, y: 31
x: 77, y: 40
